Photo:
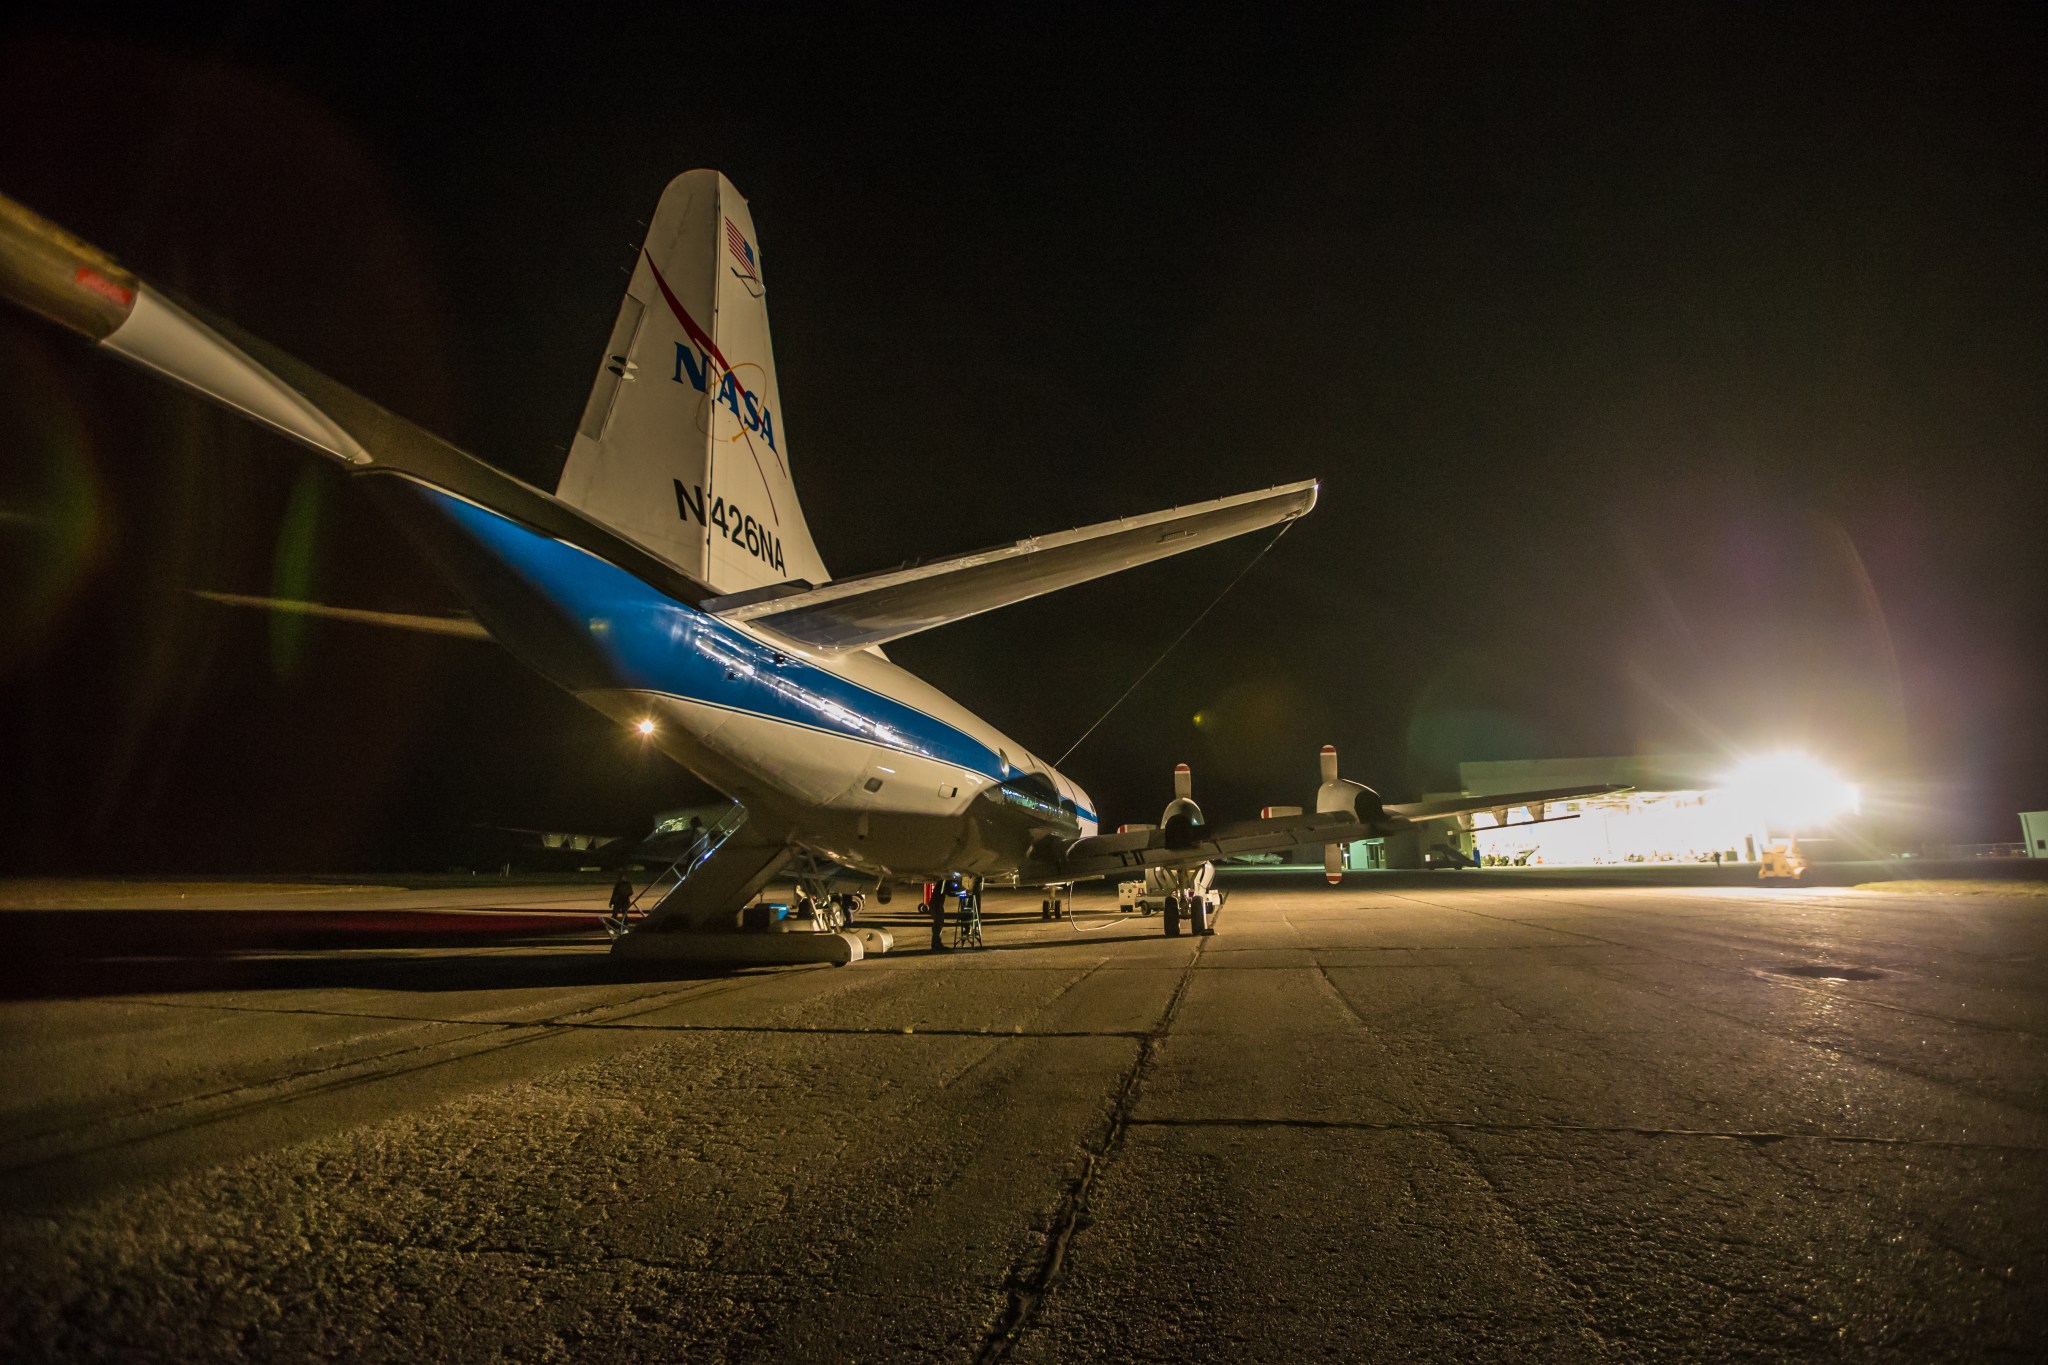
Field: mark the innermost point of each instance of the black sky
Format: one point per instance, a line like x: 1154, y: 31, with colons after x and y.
x: 1675, y: 375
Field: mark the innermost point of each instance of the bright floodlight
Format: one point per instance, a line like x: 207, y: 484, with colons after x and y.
x: 1790, y: 791
x: 645, y: 727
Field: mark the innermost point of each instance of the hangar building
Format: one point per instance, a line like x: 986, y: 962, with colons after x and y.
x: 1676, y: 808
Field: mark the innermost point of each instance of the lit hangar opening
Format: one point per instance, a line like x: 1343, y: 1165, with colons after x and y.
x: 1684, y: 809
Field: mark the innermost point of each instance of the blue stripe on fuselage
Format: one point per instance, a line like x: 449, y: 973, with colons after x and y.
x: 653, y: 643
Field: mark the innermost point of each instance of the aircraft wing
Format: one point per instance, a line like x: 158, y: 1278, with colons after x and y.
x: 462, y: 627
x: 1109, y: 855
x: 872, y: 609
x: 48, y: 271
x: 1418, y: 811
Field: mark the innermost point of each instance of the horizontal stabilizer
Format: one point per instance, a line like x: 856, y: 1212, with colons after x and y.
x: 872, y: 609
x: 466, y: 627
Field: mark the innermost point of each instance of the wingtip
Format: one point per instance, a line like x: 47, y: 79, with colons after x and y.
x: 48, y: 271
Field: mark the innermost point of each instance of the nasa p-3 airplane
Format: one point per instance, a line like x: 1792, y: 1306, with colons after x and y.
x: 671, y: 583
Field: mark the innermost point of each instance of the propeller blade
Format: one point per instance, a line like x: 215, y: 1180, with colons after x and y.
x: 1333, y: 863
x: 1183, y: 782
x: 1329, y: 763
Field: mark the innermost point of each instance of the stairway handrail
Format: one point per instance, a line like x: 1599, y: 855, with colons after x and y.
x: 700, y: 849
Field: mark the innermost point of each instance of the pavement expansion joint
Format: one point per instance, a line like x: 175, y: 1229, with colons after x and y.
x: 237, y: 1101
x: 1755, y: 1136
x: 290, y: 1078
x: 1836, y: 1048
x: 451, y: 1052
x: 1776, y: 976
x: 876, y: 1031
x: 1833, y: 994
x: 673, y: 995
x: 1526, y: 924
x: 1028, y: 1286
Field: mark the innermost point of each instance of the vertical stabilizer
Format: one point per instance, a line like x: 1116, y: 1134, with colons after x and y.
x: 682, y: 447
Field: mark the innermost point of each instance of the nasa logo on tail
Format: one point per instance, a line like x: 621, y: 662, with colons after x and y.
x: 748, y: 269
x: 694, y: 367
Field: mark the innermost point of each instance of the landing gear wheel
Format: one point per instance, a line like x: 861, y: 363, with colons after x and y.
x: 1045, y: 909
x: 1173, y: 916
x: 1198, y: 915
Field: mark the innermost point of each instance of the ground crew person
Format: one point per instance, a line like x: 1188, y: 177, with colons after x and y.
x: 940, y: 891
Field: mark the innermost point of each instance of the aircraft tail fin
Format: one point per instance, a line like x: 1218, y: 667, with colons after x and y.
x: 682, y: 447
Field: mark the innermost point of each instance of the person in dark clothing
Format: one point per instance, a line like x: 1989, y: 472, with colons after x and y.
x: 937, y: 908
x: 622, y: 901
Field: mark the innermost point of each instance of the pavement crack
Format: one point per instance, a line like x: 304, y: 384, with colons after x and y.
x: 1343, y: 1001
x: 1029, y: 1285
x: 1545, y: 1257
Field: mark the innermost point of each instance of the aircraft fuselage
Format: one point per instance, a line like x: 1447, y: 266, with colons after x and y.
x: 843, y: 754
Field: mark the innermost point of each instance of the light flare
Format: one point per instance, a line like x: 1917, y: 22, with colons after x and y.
x: 1791, y: 791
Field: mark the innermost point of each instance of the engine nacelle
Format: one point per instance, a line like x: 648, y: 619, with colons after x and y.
x: 1351, y: 797
x: 1182, y: 817
x: 1337, y: 796
x: 1340, y: 795
x: 1182, y: 823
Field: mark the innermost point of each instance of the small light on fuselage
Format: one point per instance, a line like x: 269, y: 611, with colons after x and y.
x: 645, y: 727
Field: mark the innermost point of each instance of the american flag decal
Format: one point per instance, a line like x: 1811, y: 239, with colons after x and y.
x: 742, y: 250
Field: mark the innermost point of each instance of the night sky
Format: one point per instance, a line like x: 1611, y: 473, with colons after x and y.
x: 1676, y: 378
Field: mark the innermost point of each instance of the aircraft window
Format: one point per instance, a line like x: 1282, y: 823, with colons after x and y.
x: 873, y: 784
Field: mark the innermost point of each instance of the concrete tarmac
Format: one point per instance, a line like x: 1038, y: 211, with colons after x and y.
x: 1451, y: 1118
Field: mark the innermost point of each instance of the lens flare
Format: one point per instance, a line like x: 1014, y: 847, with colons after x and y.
x: 55, y: 518
x: 1790, y: 791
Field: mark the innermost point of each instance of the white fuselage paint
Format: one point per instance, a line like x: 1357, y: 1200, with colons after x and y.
x: 923, y: 817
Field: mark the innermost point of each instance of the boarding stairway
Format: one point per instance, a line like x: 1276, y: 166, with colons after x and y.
x: 670, y: 880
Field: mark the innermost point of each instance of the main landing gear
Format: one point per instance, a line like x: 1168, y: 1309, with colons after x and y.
x: 1058, y: 902
x: 1191, y: 908
x: 831, y: 912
